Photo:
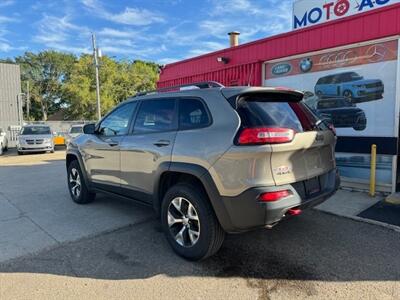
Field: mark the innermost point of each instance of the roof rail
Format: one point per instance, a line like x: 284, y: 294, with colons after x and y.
x: 198, y: 85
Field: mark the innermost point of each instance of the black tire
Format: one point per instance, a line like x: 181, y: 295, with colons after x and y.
x: 20, y: 153
x: 6, y: 149
x: 211, y: 235
x: 84, y: 196
x: 360, y: 127
x: 348, y: 95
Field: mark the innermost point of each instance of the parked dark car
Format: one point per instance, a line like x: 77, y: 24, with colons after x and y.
x: 341, y: 112
x: 351, y: 86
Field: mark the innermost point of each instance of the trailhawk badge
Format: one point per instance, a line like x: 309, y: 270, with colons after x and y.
x: 282, y: 170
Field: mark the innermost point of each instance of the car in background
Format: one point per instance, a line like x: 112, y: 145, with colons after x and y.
x: 3, y: 141
x: 340, y: 112
x: 73, y: 132
x: 59, y: 139
x: 351, y: 86
x: 35, y: 138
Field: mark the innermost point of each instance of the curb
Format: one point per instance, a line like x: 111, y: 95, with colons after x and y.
x: 393, y: 199
x: 363, y: 220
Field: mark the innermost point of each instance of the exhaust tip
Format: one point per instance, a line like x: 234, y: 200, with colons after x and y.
x: 294, y: 211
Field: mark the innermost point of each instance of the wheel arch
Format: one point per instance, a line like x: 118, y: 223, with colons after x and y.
x: 76, y: 156
x: 172, y: 173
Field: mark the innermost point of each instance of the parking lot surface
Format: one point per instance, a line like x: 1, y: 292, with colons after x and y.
x: 116, y: 250
x: 36, y: 211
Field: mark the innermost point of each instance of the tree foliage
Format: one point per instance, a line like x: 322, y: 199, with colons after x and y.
x: 46, y: 72
x: 118, y: 81
x: 63, y: 81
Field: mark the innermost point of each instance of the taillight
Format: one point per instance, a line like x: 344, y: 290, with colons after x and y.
x: 274, y: 196
x: 265, y: 135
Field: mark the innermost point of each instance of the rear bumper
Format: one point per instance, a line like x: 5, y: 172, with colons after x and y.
x: 245, y: 212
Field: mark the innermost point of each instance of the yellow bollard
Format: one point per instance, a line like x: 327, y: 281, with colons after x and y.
x: 372, y: 180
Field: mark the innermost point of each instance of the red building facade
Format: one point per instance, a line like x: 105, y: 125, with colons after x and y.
x: 377, y: 30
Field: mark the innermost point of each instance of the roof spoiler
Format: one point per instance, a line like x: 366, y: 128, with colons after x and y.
x: 264, y: 94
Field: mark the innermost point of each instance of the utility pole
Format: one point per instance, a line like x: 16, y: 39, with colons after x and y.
x: 19, y: 107
x: 28, y: 101
x: 96, y: 64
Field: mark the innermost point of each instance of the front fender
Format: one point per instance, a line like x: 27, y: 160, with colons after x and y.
x: 75, y: 154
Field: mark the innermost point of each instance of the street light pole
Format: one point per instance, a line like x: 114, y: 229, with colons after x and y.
x: 96, y: 63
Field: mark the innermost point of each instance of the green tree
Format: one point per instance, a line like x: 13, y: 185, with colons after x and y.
x: 46, y: 72
x: 118, y: 81
x: 62, y: 81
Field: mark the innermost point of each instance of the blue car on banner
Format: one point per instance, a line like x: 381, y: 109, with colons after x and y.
x: 351, y: 86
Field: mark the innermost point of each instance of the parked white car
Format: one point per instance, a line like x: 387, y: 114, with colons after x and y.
x: 3, y: 141
x: 35, y: 138
x: 73, y: 132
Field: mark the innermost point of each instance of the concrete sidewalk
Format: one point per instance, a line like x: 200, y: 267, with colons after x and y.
x: 350, y: 204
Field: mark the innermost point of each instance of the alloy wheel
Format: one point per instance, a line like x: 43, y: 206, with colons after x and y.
x: 183, y: 222
x: 75, y: 182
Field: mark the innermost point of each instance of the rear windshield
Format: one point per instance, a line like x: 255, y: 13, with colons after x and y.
x: 35, y: 130
x: 294, y: 115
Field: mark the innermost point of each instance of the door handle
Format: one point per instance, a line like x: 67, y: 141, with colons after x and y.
x: 112, y: 143
x: 161, y: 143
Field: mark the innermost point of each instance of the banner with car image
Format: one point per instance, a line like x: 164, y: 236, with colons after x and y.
x: 353, y: 88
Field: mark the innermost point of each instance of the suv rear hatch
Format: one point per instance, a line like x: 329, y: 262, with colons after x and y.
x: 301, y: 147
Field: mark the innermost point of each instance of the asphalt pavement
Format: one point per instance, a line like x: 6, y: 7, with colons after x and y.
x: 315, y: 256
x: 36, y: 211
x: 116, y: 250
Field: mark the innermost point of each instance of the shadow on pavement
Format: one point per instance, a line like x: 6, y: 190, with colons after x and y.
x: 13, y: 152
x: 314, y: 246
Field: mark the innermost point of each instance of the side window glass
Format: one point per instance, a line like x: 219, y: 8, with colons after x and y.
x: 155, y: 116
x: 117, y: 123
x: 336, y: 79
x: 347, y: 77
x: 192, y: 114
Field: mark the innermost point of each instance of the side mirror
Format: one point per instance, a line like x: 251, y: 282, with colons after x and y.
x: 89, y: 128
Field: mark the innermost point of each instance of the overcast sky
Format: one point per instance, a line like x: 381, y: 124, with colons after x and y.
x: 158, y: 30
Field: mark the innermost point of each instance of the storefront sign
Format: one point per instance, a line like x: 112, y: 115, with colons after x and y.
x: 352, y: 88
x: 312, y: 12
x: 281, y: 69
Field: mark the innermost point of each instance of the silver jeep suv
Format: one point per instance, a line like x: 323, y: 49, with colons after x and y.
x: 208, y: 159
